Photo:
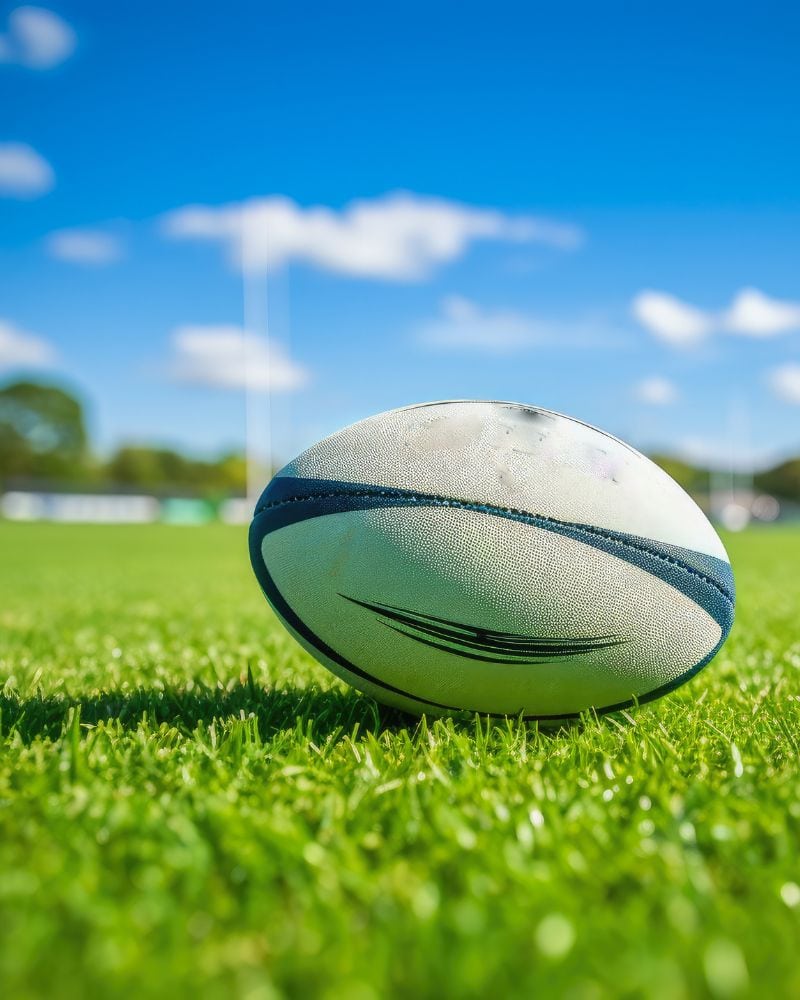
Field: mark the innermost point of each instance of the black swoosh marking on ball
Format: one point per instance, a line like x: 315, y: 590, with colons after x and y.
x: 472, y: 640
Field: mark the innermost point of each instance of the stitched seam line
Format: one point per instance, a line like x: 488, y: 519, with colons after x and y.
x: 436, y: 501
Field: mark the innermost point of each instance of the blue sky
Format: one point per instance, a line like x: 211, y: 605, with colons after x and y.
x: 593, y: 208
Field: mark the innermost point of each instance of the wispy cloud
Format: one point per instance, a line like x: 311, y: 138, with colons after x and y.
x: 785, y: 382
x: 750, y: 314
x: 463, y: 325
x: 656, y: 391
x: 23, y: 172
x: 20, y: 349
x: 224, y: 357
x: 84, y: 246
x: 36, y: 38
x: 398, y: 237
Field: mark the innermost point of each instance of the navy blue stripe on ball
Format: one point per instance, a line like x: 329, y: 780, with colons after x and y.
x: 704, y: 579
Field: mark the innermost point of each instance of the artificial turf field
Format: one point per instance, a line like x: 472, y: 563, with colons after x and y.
x: 190, y: 806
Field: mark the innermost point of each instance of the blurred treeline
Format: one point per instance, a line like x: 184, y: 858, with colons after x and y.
x: 781, y: 481
x: 44, y: 440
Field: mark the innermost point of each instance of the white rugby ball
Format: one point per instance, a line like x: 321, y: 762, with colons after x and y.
x: 494, y: 558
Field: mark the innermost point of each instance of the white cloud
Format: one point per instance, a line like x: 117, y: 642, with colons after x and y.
x: 656, y: 391
x: 754, y: 314
x: 36, y: 38
x: 750, y: 314
x: 785, y: 383
x: 84, y: 246
x: 225, y: 358
x: 398, y: 237
x: 23, y: 172
x: 20, y: 349
x: 463, y: 325
x: 670, y: 319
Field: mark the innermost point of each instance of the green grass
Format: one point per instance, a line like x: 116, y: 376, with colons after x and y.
x: 190, y: 806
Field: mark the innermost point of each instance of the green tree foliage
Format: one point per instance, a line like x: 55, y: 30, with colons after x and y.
x: 161, y: 469
x: 42, y: 433
x: 783, y: 481
x: 43, y: 438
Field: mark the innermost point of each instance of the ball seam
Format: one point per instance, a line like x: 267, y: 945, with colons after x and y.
x: 439, y: 501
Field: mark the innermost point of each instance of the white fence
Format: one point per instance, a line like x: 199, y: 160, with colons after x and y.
x: 119, y: 508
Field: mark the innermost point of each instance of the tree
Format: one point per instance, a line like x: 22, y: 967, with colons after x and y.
x: 42, y: 433
x: 162, y: 469
x: 134, y: 465
x: 783, y: 481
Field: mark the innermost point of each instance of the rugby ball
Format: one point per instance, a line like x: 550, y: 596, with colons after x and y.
x: 492, y: 557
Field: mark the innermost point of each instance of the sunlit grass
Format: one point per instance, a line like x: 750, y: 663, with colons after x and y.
x: 189, y: 805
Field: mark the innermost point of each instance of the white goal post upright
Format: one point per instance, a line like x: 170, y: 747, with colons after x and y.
x: 257, y: 397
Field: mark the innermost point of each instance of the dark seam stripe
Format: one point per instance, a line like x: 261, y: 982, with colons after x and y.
x: 277, y: 508
x: 290, y: 489
x: 288, y: 501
